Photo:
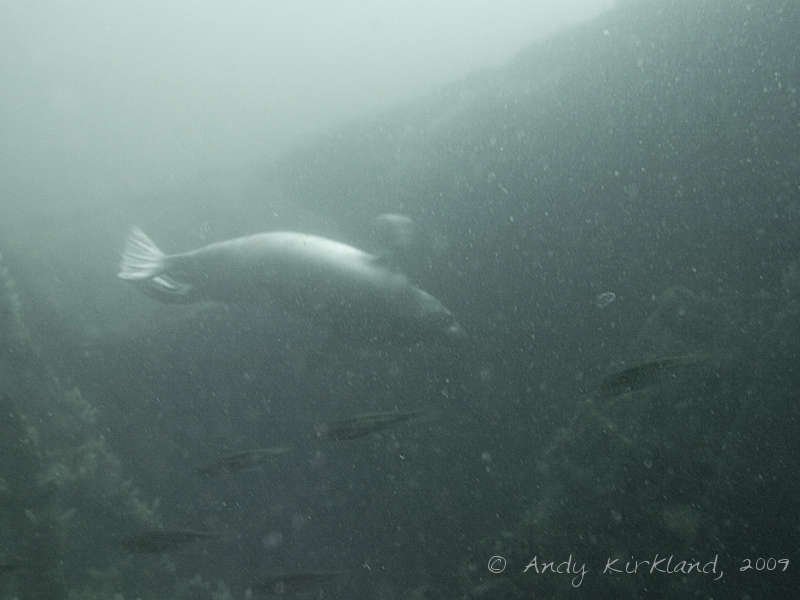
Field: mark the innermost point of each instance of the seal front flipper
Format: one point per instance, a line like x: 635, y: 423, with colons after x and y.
x: 395, y: 232
x: 396, y: 238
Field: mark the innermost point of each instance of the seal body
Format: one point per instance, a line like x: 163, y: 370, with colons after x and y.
x: 307, y: 274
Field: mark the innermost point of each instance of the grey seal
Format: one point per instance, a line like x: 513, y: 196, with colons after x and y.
x: 354, y: 291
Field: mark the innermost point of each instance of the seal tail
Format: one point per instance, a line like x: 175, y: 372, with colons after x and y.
x: 141, y: 258
x: 144, y: 265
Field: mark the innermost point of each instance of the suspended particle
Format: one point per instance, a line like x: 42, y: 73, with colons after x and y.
x: 604, y: 299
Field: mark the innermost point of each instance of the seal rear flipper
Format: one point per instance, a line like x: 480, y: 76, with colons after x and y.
x: 141, y: 258
x: 166, y: 289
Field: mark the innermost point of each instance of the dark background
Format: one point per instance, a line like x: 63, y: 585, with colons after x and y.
x: 652, y: 152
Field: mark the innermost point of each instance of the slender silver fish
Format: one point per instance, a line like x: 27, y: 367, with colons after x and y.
x: 363, y: 424
x: 164, y: 540
x: 652, y: 372
x: 299, y: 582
x: 242, y: 461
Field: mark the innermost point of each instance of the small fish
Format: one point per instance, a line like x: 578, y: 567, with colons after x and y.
x: 297, y: 583
x: 363, y: 424
x: 164, y: 540
x: 10, y: 567
x: 241, y: 461
x: 649, y: 373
